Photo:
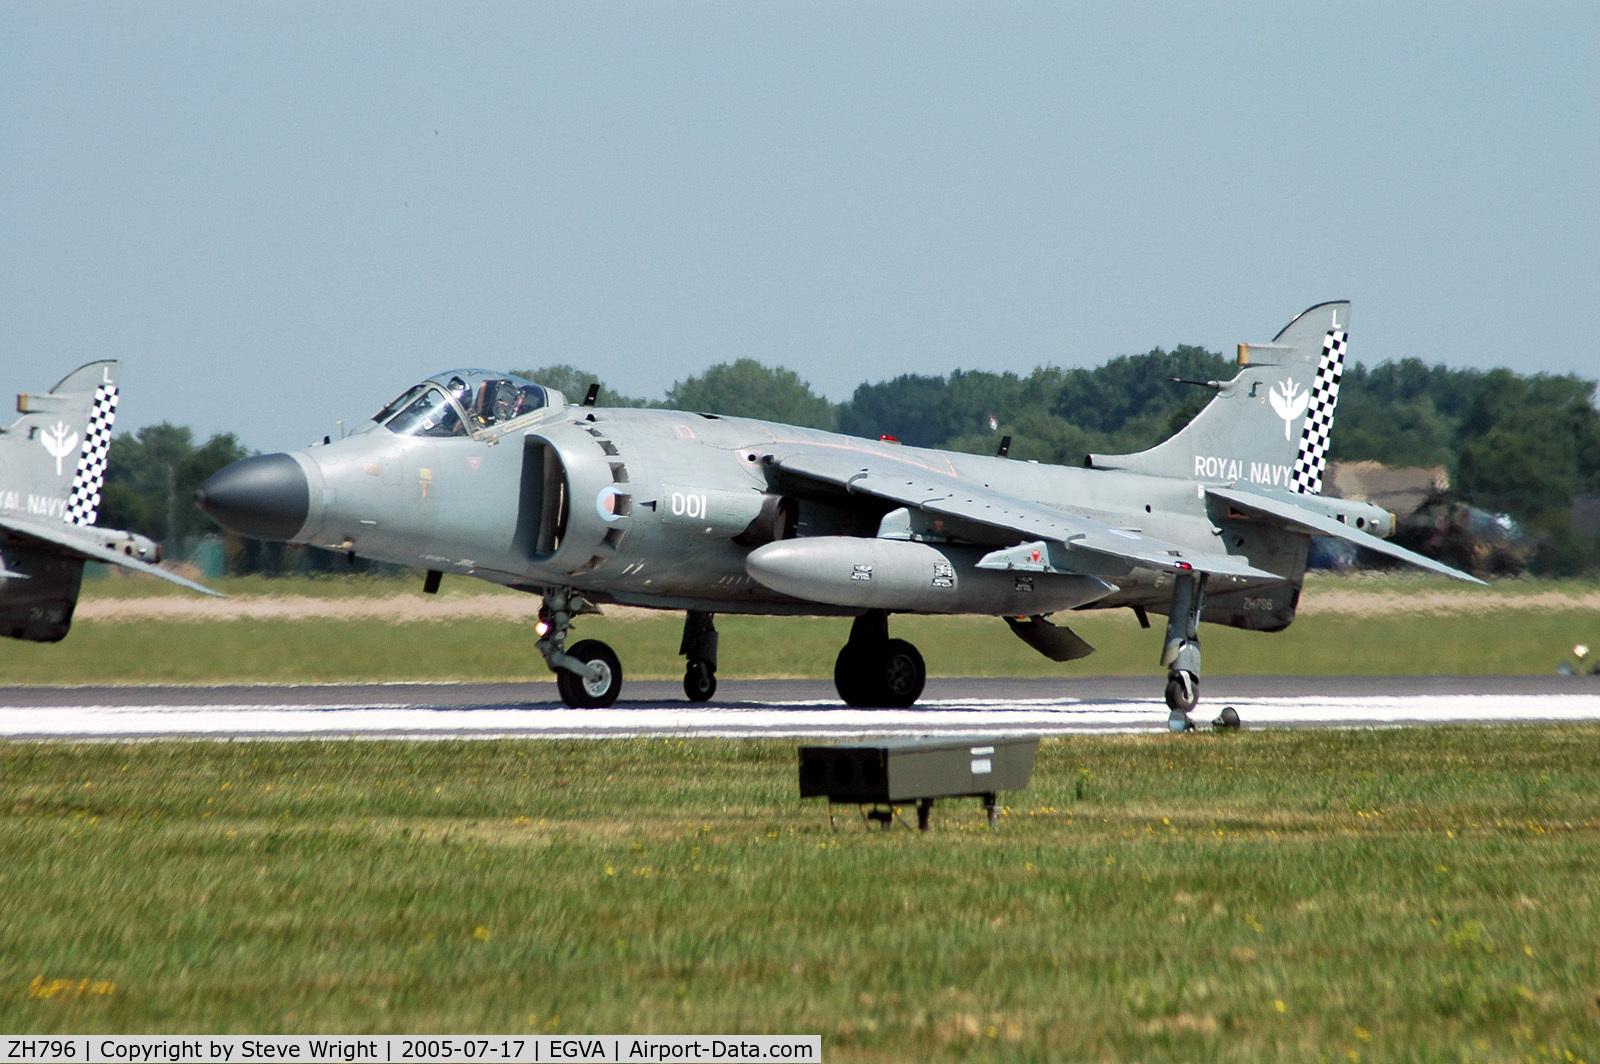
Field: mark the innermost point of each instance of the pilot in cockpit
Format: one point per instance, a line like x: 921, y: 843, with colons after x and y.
x: 462, y: 403
x: 496, y: 402
x: 482, y: 408
x: 500, y: 400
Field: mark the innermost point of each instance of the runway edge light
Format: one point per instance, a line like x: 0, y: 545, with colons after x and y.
x: 901, y: 771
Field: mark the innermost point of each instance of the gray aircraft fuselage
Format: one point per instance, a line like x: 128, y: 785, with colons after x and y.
x: 649, y: 507
x: 486, y: 475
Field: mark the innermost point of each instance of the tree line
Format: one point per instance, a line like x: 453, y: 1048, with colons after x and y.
x: 1515, y: 444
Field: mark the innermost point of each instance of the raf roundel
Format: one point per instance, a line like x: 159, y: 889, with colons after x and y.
x: 605, y: 504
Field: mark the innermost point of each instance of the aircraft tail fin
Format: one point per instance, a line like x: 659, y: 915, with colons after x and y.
x: 55, y: 453
x: 1271, y: 424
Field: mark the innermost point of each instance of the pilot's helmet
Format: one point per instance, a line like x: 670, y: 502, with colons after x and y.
x: 459, y: 389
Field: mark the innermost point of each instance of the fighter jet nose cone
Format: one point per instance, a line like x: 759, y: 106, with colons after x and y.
x: 265, y: 497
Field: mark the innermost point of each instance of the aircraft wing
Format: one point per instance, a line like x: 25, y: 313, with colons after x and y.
x: 1088, y: 542
x: 82, y: 542
x: 1299, y: 519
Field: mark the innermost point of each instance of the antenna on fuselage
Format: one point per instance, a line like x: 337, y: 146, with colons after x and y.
x: 593, y: 394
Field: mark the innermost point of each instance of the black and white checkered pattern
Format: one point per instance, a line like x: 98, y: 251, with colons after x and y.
x: 84, y: 503
x: 1318, y: 430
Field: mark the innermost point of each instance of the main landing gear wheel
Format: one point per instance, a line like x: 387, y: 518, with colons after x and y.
x: 699, y: 649
x: 580, y: 692
x: 889, y: 675
x: 699, y: 682
x: 852, y: 676
x: 904, y: 674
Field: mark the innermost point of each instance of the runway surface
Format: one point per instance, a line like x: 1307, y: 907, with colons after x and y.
x: 776, y: 708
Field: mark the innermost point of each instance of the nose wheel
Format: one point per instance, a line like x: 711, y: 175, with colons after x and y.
x: 588, y: 674
x: 601, y: 682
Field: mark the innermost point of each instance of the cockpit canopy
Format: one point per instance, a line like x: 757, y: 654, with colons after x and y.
x: 462, y: 402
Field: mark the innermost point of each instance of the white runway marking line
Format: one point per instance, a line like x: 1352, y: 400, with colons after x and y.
x: 809, y: 718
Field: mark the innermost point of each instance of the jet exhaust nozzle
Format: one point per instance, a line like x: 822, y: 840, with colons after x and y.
x: 263, y: 497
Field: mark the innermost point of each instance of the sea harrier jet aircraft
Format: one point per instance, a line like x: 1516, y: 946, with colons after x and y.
x: 52, y: 465
x: 487, y: 475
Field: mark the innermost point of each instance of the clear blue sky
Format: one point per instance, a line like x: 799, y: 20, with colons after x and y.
x: 279, y: 215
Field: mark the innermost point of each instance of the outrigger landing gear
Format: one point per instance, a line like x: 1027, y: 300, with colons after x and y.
x: 699, y: 646
x: 874, y: 670
x: 1180, y: 653
x: 589, y: 675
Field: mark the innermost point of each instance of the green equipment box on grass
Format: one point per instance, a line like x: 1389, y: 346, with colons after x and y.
x: 897, y: 771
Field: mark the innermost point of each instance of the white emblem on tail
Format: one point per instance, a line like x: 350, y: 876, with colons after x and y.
x: 1289, y: 402
x: 60, y: 442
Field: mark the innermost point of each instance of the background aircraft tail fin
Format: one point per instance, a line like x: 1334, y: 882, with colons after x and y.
x: 55, y: 454
x: 1269, y: 426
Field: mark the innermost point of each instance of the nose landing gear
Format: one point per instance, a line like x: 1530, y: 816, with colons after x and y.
x: 601, y: 680
x: 588, y: 676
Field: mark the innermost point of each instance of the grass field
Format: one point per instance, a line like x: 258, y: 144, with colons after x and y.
x: 1508, y: 639
x: 1427, y: 894
x: 367, y: 650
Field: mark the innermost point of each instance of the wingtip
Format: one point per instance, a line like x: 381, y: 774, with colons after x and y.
x: 195, y: 585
